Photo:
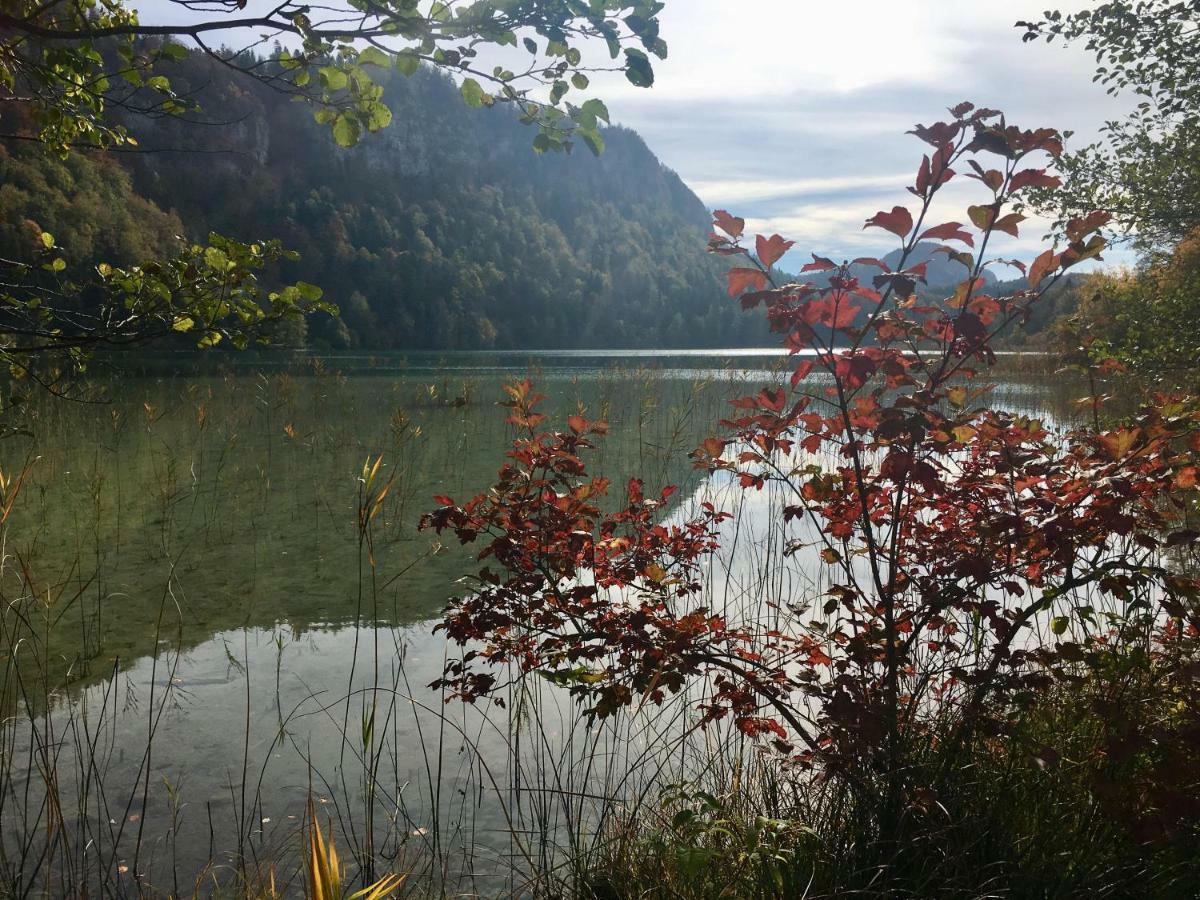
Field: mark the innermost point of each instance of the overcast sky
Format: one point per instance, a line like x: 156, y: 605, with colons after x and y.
x: 792, y: 113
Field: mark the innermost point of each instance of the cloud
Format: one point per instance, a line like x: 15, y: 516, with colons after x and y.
x: 750, y: 190
x: 793, y: 114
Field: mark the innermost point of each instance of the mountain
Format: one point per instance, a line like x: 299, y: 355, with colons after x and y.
x: 446, y: 230
x: 941, y: 272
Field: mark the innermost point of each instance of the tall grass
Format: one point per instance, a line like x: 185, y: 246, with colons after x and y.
x: 171, y: 561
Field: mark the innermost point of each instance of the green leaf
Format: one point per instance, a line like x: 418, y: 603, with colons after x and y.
x: 380, y: 116
x: 47, y: 240
x: 558, y: 90
x: 309, y: 292
x: 407, y: 63
x: 472, y: 93
x: 346, y: 130
x: 174, y: 51
x: 638, y: 69
x: 1059, y: 624
x: 184, y: 323
x: 595, y: 107
x: 593, y: 139
x: 332, y: 78
x: 373, y: 56
x: 580, y: 81
x: 215, y: 258
x: 982, y: 217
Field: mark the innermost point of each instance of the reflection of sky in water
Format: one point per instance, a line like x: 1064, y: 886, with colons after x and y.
x: 197, y: 487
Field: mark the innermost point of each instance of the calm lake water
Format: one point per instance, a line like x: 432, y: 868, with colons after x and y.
x: 196, y: 640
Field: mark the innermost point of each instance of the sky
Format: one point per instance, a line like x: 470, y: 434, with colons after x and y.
x: 793, y: 113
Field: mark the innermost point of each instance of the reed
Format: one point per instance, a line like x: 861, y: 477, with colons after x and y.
x: 216, y: 648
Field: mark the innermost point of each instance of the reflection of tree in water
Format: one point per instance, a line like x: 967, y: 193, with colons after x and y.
x: 228, y: 502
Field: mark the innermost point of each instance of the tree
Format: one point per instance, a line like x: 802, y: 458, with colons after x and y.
x: 67, y: 65
x: 69, y: 61
x: 1146, y: 169
x: 956, y: 538
x: 1148, y: 320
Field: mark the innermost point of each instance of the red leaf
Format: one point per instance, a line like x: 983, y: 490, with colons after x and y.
x: 872, y: 261
x: 899, y: 221
x: 731, y: 225
x: 801, y: 372
x: 938, y: 133
x: 771, y: 398
x: 923, y: 176
x: 950, y: 231
x: 771, y: 249
x: 751, y: 300
x: 1042, y: 266
x: 819, y: 264
x: 1033, y: 178
x: 828, y: 311
x: 818, y: 657
x: 1008, y: 224
x: 742, y: 280
x: 1077, y: 228
x: 993, y: 178
x: 1015, y: 263
x: 578, y: 424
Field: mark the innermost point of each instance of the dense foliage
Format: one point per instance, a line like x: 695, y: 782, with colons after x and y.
x: 1146, y: 169
x: 86, y: 75
x: 68, y: 64
x: 1148, y: 319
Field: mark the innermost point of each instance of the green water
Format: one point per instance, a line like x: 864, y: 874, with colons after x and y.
x: 184, y: 572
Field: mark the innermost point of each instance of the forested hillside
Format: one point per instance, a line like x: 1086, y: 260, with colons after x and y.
x: 443, y: 231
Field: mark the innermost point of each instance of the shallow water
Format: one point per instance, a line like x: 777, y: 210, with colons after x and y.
x: 184, y: 573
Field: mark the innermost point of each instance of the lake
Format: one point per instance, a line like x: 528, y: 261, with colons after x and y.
x: 198, y: 638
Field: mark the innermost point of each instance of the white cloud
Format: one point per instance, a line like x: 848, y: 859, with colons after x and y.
x: 750, y: 190
x: 793, y: 113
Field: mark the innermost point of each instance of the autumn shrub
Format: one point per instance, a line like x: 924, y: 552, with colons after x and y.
x: 975, y: 564
x: 1090, y: 792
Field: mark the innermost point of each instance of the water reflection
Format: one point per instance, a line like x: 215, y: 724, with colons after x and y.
x: 203, y: 643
